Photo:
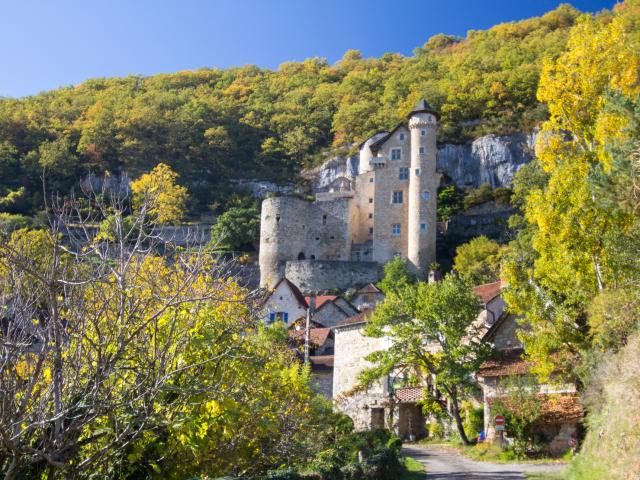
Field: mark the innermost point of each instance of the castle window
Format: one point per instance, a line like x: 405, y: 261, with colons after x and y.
x: 404, y: 173
x: 301, y: 256
x: 370, y: 230
x: 417, y: 172
x: 395, y: 153
x: 317, y: 239
x: 324, y: 219
x: 402, y: 136
x: 370, y: 179
x: 397, y: 197
x: 313, y: 257
x: 426, y: 195
x: 421, y: 150
x: 423, y: 227
x: 395, y: 229
x: 423, y: 133
x: 397, y: 254
x: 332, y: 237
x: 371, y: 200
x: 371, y: 215
x: 277, y: 218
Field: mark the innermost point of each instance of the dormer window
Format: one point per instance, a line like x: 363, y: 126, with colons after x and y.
x: 395, y: 153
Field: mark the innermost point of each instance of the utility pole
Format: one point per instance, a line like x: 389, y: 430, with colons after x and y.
x: 307, y: 331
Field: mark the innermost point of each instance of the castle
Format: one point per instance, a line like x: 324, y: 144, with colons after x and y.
x: 343, y: 237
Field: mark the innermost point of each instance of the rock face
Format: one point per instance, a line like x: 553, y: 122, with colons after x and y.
x: 490, y: 159
x: 261, y: 188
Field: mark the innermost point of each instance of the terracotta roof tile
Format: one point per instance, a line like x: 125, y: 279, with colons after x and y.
x: 317, y: 336
x: 504, y: 363
x: 488, y: 291
x: 321, y: 300
x: 555, y: 408
x: 409, y: 394
x: 370, y: 288
x: 359, y: 318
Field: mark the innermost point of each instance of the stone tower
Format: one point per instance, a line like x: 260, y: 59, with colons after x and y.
x: 423, y: 187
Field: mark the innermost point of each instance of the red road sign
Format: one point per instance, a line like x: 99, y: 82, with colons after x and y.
x: 499, y: 420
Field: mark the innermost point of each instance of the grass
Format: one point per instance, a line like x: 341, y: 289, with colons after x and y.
x: 414, y: 470
x: 545, y: 476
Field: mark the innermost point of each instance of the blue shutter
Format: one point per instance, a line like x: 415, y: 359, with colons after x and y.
x: 272, y: 317
x: 286, y: 317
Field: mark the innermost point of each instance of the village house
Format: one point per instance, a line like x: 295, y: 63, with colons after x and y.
x: 367, y: 297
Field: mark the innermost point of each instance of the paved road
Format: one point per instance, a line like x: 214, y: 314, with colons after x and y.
x: 446, y: 464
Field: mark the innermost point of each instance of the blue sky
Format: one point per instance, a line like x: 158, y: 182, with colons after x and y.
x: 45, y: 44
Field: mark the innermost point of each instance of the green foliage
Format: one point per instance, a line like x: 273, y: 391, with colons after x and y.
x: 478, y: 196
x: 432, y: 331
x: 450, y: 201
x: 398, y: 273
x: 237, y: 229
x: 10, y: 222
x: 159, y: 192
x: 211, y: 125
x: 473, y: 419
x: 478, y: 260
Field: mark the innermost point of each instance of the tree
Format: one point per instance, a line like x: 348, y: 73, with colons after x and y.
x: 432, y: 331
x: 98, y: 336
x: 159, y: 192
x: 478, y: 260
x: 397, y: 273
x: 449, y: 202
x: 237, y: 229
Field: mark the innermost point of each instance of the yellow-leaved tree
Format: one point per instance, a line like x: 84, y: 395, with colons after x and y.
x: 166, y: 200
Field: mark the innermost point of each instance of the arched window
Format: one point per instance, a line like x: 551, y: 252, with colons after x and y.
x: 301, y: 256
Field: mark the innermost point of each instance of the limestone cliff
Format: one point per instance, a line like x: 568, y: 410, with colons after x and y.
x: 490, y: 159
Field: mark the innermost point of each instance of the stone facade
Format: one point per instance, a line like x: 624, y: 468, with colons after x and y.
x: 285, y: 304
x: 387, y: 209
x: 351, y: 347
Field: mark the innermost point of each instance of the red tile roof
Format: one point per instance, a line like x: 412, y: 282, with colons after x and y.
x: 321, y: 299
x: 321, y: 362
x: 488, y: 291
x: 555, y: 408
x: 317, y: 336
x: 409, y: 394
x: 359, y: 318
x: 296, y: 291
x: 369, y: 288
x: 505, y: 363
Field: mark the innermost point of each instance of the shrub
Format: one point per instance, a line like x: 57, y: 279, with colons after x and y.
x: 10, y: 222
x: 478, y: 196
x: 383, y: 465
x: 436, y: 430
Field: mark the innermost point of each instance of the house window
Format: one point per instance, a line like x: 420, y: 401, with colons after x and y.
x: 402, y: 136
x: 426, y: 195
x: 397, y: 197
x: 395, y: 229
x: 404, y: 173
x: 421, y: 150
x: 324, y: 219
x: 423, y: 227
x: 395, y: 154
x: 371, y: 200
x: 423, y: 133
x: 371, y: 215
x: 280, y: 316
x: 397, y: 254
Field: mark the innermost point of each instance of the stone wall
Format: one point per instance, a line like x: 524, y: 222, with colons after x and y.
x: 325, y: 275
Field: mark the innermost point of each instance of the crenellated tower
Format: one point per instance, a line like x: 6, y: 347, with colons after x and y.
x: 423, y: 185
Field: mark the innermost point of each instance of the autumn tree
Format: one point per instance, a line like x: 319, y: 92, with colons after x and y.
x: 158, y: 191
x: 478, y: 260
x: 432, y: 332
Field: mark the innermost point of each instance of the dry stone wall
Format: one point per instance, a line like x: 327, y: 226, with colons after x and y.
x: 324, y: 275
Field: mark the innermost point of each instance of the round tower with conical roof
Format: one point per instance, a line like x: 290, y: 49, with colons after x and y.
x: 423, y: 186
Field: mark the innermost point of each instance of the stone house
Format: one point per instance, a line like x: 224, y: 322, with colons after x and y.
x: 331, y: 309
x: 285, y: 303
x: 367, y: 297
x: 560, y: 409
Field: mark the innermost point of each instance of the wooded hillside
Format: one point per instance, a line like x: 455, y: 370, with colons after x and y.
x: 211, y: 125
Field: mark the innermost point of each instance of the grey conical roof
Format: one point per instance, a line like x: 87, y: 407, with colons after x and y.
x: 423, y: 107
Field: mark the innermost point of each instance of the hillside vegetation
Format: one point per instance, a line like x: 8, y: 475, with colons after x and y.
x: 211, y: 125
